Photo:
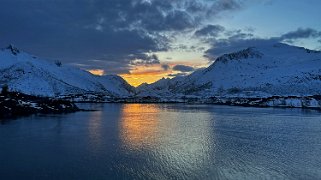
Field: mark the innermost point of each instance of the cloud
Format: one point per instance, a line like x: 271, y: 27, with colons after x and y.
x: 113, y: 67
x: 144, y: 59
x: 209, y: 30
x: 177, y: 74
x: 231, y: 45
x: 77, y: 31
x: 224, y: 5
x: 238, y: 40
x: 165, y: 67
x: 183, y: 68
x: 118, y: 32
x: 301, y: 33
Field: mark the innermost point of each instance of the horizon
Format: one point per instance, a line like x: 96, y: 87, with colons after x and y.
x: 145, y: 40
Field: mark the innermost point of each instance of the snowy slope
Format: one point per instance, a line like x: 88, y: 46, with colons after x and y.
x: 116, y: 85
x: 28, y: 74
x: 163, y: 87
x: 276, y: 69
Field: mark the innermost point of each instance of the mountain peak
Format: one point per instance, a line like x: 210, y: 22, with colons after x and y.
x: 250, y: 52
x: 14, y: 50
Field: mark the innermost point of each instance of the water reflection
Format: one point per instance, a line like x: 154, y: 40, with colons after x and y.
x: 139, y: 125
x: 163, y: 141
x: 187, y: 146
x: 179, y: 143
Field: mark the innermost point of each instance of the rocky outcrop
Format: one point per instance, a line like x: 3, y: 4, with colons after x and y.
x: 14, y: 104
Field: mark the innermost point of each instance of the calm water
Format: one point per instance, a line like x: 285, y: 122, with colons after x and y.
x: 163, y: 141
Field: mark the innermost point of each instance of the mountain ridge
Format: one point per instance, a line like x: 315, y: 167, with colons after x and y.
x: 276, y: 69
x: 29, y: 74
x: 262, y: 71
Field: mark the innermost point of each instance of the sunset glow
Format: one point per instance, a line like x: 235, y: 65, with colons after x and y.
x: 135, y: 130
x: 98, y: 72
x: 142, y: 74
x: 151, y: 73
x: 136, y: 80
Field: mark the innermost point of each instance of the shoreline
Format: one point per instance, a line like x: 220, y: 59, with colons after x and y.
x: 304, y: 102
x: 14, y: 104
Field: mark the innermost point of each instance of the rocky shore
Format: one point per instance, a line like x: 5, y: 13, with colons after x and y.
x: 13, y: 104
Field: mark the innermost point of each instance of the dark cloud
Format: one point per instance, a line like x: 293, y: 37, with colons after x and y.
x: 238, y: 34
x: 209, y: 30
x: 301, y: 34
x: 239, y: 40
x: 144, y: 59
x: 165, y: 67
x: 179, y: 20
x: 224, y: 5
x: 122, y: 31
x: 232, y: 45
x: 197, y: 48
x: 183, y: 68
x: 110, y: 67
x: 75, y: 31
x: 178, y: 74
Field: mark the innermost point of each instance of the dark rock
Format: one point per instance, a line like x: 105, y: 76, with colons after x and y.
x: 13, y: 104
x: 13, y: 49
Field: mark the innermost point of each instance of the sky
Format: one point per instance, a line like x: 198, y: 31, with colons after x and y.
x: 146, y: 40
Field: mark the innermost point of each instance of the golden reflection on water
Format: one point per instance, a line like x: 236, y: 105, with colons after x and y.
x: 138, y: 126
x: 172, y: 137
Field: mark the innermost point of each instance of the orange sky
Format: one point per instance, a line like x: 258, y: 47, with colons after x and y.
x: 151, y: 73
x: 142, y: 74
x: 98, y: 72
x: 147, y: 73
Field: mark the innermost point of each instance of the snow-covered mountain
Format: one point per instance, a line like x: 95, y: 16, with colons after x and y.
x: 263, y: 71
x: 28, y: 74
x: 276, y: 69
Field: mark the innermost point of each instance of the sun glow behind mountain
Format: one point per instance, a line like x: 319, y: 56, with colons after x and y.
x: 152, y: 73
x: 142, y: 74
x: 98, y: 72
x: 139, y: 74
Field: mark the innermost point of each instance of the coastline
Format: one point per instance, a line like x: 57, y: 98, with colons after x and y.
x: 304, y: 102
x: 14, y: 104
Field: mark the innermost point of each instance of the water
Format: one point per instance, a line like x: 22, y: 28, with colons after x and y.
x: 163, y: 141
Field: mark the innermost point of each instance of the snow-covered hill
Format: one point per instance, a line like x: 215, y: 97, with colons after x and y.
x: 28, y: 74
x: 276, y: 69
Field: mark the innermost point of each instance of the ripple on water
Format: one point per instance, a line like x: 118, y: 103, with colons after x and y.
x: 164, y: 141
